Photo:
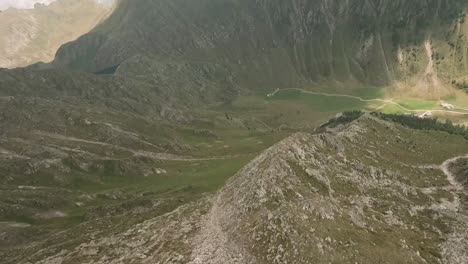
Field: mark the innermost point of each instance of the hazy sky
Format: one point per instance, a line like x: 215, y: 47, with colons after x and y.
x: 4, y: 4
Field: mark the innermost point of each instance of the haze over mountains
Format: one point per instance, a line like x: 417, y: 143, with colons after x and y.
x: 22, y: 4
x: 29, y: 4
x: 33, y: 35
x: 166, y: 135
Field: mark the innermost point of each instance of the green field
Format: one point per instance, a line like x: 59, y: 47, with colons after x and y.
x: 416, y: 104
x: 332, y: 103
x: 320, y: 103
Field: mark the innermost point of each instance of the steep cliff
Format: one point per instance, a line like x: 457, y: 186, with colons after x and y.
x: 374, y: 42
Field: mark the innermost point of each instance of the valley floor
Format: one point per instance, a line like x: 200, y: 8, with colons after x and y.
x: 368, y: 190
x: 63, y: 188
x: 402, y: 104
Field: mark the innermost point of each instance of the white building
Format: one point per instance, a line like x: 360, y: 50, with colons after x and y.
x: 447, y: 106
x: 424, y: 115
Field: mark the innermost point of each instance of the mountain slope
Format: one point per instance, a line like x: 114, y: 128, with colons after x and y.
x: 340, y: 197
x: 152, y: 139
x: 291, y: 43
x: 337, y: 196
x: 28, y: 36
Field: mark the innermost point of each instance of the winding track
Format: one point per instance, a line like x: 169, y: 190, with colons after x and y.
x: 138, y: 153
x: 450, y: 176
x: 389, y: 101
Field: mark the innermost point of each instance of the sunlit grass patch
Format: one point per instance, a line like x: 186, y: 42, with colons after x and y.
x: 418, y: 104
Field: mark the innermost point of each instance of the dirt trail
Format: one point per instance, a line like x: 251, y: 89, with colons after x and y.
x: 386, y: 101
x: 13, y: 225
x: 138, y: 153
x: 211, y: 244
x: 450, y: 176
x: 456, y: 186
x: 454, y: 248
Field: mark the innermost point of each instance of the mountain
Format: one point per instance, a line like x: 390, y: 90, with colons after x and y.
x: 34, y: 35
x: 417, y: 45
x: 340, y: 195
x: 235, y: 131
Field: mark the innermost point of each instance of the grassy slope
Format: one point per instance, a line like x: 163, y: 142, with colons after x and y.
x: 187, y: 181
x: 241, y: 130
x: 238, y: 132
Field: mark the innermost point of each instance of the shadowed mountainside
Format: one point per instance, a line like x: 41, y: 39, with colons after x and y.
x: 289, y: 43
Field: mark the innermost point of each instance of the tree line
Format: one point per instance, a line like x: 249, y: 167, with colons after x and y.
x: 410, y: 121
x: 425, y: 123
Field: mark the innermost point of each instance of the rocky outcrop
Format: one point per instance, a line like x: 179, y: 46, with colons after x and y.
x: 315, y: 198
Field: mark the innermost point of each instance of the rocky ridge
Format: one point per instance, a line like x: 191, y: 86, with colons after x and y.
x: 334, y: 196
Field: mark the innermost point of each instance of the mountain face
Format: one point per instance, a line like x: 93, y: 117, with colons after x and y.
x: 34, y: 35
x: 155, y: 137
x: 288, y: 43
x: 338, y: 196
